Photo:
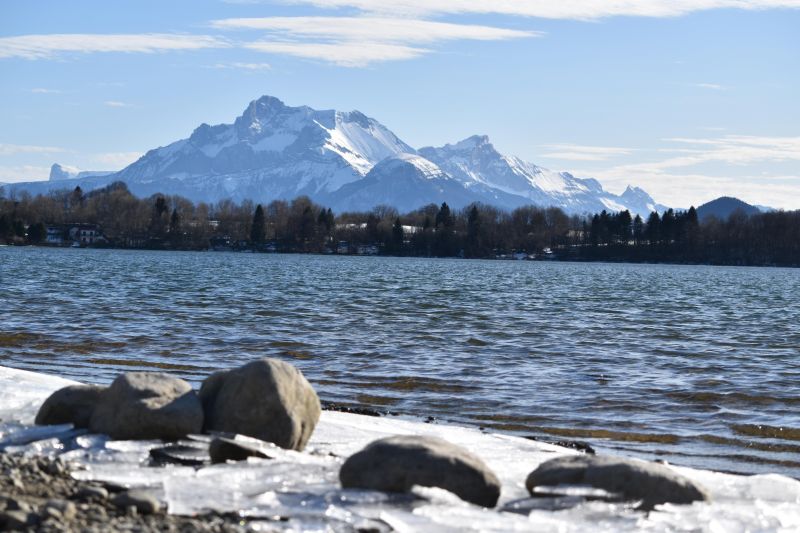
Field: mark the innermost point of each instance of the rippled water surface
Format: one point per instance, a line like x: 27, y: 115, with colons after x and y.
x: 696, y: 365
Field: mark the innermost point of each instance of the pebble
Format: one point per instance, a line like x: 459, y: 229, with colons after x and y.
x: 91, y: 492
x: 141, y: 501
x: 63, y: 504
x: 11, y: 520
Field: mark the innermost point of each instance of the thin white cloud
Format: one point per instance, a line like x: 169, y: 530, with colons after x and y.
x: 16, y: 174
x: 578, y: 152
x: 551, y: 9
x: 116, y: 103
x: 372, y: 29
x: 14, y: 149
x: 42, y: 90
x: 712, y: 86
x: 343, y: 54
x: 52, y: 45
x: 359, y: 41
x: 683, y: 176
x: 243, y: 66
x: 113, y: 160
x: 733, y: 150
x: 682, y: 190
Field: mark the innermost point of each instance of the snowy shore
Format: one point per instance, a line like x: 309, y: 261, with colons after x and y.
x: 303, y: 488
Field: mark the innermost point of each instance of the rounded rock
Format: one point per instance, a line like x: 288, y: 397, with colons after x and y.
x: 651, y: 483
x: 395, y: 464
x: 71, y: 405
x: 267, y: 399
x: 147, y: 405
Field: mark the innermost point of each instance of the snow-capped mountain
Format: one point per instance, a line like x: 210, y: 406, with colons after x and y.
x: 344, y: 160
x: 475, y: 161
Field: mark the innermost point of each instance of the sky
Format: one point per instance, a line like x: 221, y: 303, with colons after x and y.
x: 688, y: 99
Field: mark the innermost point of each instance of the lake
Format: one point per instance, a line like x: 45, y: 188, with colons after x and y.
x: 696, y: 365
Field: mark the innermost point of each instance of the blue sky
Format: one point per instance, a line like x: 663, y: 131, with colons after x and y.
x: 688, y: 99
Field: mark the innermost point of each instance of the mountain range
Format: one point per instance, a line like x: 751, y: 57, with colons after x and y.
x: 344, y: 160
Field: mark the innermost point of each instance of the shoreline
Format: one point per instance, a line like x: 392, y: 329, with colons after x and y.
x: 201, y: 496
x: 553, y: 260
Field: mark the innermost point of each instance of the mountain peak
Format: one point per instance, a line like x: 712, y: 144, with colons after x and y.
x: 471, y: 143
x: 58, y: 172
x: 636, y: 193
x: 724, y: 206
x: 268, y: 102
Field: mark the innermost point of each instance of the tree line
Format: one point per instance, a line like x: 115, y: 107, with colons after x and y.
x: 477, y: 231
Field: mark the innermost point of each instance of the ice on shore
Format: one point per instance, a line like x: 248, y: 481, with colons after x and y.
x: 303, y: 490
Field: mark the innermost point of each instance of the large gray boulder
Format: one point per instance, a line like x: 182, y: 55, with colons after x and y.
x: 651, y: 483
x: 395, y: 464
x: 266, y: 399
x: 147, y: 405
x: 71, y: 405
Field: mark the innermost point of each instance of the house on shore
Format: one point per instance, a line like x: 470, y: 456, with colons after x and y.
x: 86, y: 234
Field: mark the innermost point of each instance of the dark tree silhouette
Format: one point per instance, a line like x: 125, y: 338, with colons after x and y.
x: 258, y: 229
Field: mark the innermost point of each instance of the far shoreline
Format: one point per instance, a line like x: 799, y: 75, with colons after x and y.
x: 567, y: 260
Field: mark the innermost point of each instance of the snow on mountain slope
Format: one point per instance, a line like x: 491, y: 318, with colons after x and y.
x: 61, y: 172
x: 476, y: 161
x: 284, y: 150
x: 345, y: 160
x: 408, y: 182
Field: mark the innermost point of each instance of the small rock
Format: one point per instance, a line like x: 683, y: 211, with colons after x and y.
x: 223, y: 449
x: 651, y: 483
x: 267, y: 399
x: 66, y: 509
x: 56, y: 468
x: 70, y: 405
x: 395, y: 464
x: 13, y: 504
x: 147, y: 405
x: 143, y: 502
x: 16, y: 520
x: 91, y: 492
x: 51, y: 513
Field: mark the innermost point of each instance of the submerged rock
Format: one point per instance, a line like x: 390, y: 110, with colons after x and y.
x: 70, y: 405
x: 147, y: 405
x: 651, y: 483
x: 395, y: 464
x: 267, y: 399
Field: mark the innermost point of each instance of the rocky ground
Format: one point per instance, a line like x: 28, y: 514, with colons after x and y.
x: 38, y: 494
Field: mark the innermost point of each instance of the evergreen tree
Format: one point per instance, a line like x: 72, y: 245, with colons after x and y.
x: 595, y: 230
x: 398, y: 236
x: 653, y: 230
x: 473, y: 232
x: 668, y: 226
x: 5, y: 227
x: 36, y: 233
x: 444, y: 217
x: 624, y: 227
x: 258, y: 230
x: 638, y: 230
x: 175, y: 222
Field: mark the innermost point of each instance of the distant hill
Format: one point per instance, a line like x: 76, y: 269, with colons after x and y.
x: 724, y: 206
